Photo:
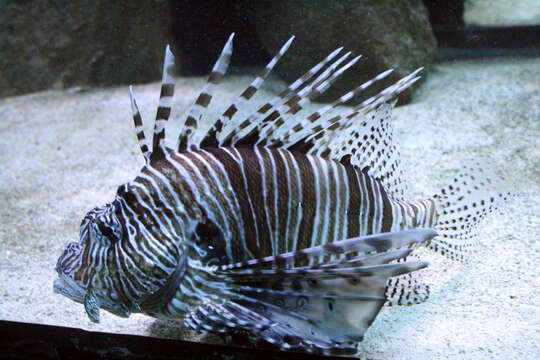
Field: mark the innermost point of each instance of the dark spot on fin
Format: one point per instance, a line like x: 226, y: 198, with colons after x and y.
x: 380, y: 244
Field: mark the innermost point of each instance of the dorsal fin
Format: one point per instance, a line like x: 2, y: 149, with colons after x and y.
x: 307, y: 127
x: 361, y: 136
x: 192, y: 121
x: 319, y: 86
x: 238, y: 128
x: 316, y: 135
x: 368, y: 142
x: 294, y: 104
x: 165, y: 101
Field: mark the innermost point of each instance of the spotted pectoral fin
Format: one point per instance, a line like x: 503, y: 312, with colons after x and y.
x: 91, y: 305
x: 323, y: 307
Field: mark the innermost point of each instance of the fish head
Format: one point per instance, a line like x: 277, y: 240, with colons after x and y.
x: 85, y: 274
x: 113, y: 266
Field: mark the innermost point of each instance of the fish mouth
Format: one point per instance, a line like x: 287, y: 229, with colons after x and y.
x: 66, y: 286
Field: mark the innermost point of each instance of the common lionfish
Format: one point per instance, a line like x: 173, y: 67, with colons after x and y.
x: 293, y: 230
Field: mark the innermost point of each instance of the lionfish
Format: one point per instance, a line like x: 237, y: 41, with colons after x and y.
x: 291, y: 229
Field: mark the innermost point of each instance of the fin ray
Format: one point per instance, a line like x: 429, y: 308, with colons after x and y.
x: 165, y: 102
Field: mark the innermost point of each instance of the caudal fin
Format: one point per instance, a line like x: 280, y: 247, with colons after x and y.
x: 462, y: 205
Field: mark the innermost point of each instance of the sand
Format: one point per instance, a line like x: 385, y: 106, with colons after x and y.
x: 62, y: 153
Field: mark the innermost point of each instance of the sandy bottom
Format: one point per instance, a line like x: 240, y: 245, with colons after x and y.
x: 63, y: 153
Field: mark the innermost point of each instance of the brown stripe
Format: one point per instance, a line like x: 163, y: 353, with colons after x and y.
x: 157, y: 138
x: 167, y: 90
x: 355, y: 199
x: 249, y: 92
x: 308, y: 200
x: 273, y: 115
x: 387, y: 219
x: 215, y: 77
x: 342, y: 197
x: 137, y: 119
x: 190, y: 121
x: 270, y: 189
x: 364, y: 213
x: 323, y: 190
x: 203, y: 99
x: 432, y: 214
x: 371, y: 202
x: 293, y: 100
x: 332, y: 189
x: 163, y: 113
x: 230, y: 111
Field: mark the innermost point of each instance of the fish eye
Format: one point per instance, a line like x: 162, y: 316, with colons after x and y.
x: 106, y: 231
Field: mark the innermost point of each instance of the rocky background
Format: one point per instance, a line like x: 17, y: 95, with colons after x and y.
x: 61, y: 44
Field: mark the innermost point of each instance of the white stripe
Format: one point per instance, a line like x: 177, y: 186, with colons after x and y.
x: 347, y: 196
x: 299, y: 212
x: 275, y: 238
x: 338, y: 214
x: 317, y: 200
x: 364, y: 211
x: 160, y: 125
x: 325, y: 235
x: 282, y: 154
x: 165, y: 101
x: 265, y: 195
x: 135, y: 242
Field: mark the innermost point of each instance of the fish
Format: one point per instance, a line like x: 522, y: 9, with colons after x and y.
x: 295, y: 230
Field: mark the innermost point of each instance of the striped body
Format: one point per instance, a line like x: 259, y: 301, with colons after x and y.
x: 265, y: 201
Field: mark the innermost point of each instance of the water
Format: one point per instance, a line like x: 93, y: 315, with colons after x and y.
x: 63, y: 153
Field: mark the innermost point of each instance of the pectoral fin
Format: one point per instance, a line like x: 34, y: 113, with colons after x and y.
x: 91, y: 305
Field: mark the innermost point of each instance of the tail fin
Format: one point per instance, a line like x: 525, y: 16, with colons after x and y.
x: 462, y: 205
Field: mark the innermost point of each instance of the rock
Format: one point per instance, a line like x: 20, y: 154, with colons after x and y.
x: 389, y: 34
x: 59, y: 44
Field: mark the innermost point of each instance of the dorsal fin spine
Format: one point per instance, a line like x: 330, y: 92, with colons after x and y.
x: 165, y: 101
x: 191, y: 123
x: 138, y: 122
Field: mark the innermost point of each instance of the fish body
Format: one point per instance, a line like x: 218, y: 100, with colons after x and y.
x: 295, y: 230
